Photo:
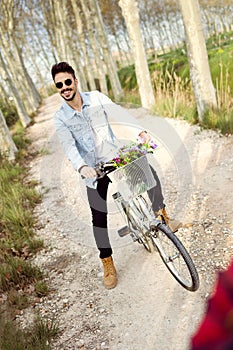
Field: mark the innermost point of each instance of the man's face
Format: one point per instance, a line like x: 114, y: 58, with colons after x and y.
x: 66, y: 84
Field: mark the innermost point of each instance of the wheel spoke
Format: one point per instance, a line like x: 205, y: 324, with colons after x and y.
x: 175, y: 256
x: 137, y: 223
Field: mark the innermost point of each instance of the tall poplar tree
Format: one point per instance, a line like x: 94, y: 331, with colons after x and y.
x: 106, y: 49
x: 198, y: 58
x: 131, y: 15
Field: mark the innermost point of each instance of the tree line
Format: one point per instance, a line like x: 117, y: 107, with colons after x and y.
x: 98, y: 37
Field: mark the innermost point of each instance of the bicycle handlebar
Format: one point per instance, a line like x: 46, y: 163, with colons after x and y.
x: 103, y: 169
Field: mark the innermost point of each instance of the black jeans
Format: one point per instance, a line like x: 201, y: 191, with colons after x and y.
x: 97, y: 201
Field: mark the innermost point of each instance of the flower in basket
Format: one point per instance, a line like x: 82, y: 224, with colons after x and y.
x: 131, y: 152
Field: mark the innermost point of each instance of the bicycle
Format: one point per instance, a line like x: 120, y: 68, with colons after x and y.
x: 132, y: 181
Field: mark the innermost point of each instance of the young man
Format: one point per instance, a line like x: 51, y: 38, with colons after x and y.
x: 86, y: 136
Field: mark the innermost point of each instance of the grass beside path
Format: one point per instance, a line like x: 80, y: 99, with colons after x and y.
x: 21, y: 282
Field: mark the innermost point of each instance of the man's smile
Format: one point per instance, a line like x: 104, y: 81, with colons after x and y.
x: 66, y: 91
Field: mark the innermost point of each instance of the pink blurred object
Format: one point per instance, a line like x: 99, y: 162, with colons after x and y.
x: 215, y: 331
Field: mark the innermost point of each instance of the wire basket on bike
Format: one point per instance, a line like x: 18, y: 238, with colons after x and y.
x: 134, y: 178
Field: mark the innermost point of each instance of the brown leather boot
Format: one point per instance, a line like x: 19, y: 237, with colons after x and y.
x: 172, y: 223
x: 110, y: 275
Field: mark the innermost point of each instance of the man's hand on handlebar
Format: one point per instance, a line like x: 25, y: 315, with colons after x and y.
x: 88, y: 172
x: 144, y: 137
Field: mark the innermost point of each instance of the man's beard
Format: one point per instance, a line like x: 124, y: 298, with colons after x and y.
x: 70, y: 98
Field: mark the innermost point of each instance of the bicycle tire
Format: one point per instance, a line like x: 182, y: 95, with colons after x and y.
x: 135, y: 224
x: 164, y: 239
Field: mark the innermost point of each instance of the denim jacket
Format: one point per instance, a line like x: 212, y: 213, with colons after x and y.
x: 75, y: 129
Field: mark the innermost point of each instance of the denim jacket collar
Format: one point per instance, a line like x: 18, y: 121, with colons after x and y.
x: 70, y: 111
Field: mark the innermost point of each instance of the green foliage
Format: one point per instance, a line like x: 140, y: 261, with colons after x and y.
x: 131, y: 100
x: 17, y: 272
x: 41, y: 289
x: 44, y: 331
x: 219, y: 120
x: 20, y: 140
x: 9, y: 111
x: 128, y: 78
x: 17, y: 300
x: 18, y: 198
x: 38, y: 337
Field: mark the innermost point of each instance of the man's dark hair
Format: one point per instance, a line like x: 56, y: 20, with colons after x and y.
x: 62, y: 67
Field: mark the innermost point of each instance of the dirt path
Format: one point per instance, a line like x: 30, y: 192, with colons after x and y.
x: 148, y: 309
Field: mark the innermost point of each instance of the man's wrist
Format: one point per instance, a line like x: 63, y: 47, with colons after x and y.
x: 83, y: 166
x: 142, y: 132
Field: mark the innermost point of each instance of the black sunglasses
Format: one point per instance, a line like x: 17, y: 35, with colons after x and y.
x: 67, y: 82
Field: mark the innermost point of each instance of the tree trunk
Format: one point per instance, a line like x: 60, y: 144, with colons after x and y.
x: 23, y: 115
x: 198, y: 59
x: 98, y: 63
x: 31, y: 89
x: 7, y: 145
x: 4, y: 94
x: 107, y: 54
x: 50, y: 26
x: 89, y: 71
x: 131, y: 15
x: 58, y: 29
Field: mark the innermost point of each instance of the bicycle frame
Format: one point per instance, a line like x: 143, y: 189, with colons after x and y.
x: 137, y: 209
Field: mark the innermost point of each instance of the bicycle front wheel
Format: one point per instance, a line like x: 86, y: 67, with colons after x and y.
x: 175, y: 257
x: 135, y: 220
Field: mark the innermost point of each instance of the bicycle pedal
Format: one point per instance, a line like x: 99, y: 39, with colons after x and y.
x: 124, y: 231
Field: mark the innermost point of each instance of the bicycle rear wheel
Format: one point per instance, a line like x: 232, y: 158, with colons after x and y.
x: 175, y: 257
